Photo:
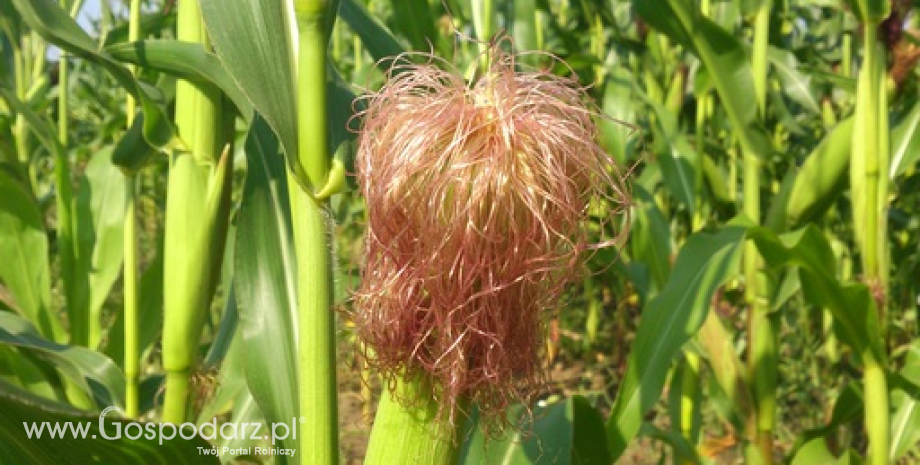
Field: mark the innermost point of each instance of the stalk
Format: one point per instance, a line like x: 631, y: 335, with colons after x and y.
x: 131, y: 352
x: 483, y: 14
x: 762, y: 361
x: 877, y: 416
x: 197, y: 212
x: 869, y: 168
x: 316, y: 321
x: 689, y: 395
x: 407, y: 433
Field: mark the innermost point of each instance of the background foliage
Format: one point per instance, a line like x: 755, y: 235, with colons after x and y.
x: 749, y: 314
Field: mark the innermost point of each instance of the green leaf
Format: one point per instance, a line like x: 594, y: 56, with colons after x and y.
x: 151, y: 313
x: 19, y: 410
x: 39, y: 125
x: 848, y: 407
x: 668, y: 321
x: 820, y: 180
x: 905, y: 422
x: 265, y: 274
x: 132, y: 152
x: 855, y: 318
x: 100, y: 211
x: 185, y: 60
x: 547, y: 439
x: 678, y: 159
x: 795, y: 83
x: 589, y: 437
x: 650, y: 239
x: 91, y: 371
x: 23, y: 370
x: 566, y: 432
x: 723, y: 55
x: 720, y: 51
x: 682, y: 448
x: 56, y: 26
x: 253, y: 40
x: 416, y: 21
x: 619, y: 106
x: 816, y: 452
x: 905, y: 143
x: 24, y: 248
x: 524, y: 26
x: 378, y: 40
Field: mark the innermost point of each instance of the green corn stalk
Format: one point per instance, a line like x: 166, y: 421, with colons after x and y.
x: 869, y: 169
x: 483, y: 22
x: 310, y: 220
x: 197, y: 211
x: 762, y: 361
x: 131, y: 355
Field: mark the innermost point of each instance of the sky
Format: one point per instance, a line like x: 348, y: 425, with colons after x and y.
x: 91, y: 10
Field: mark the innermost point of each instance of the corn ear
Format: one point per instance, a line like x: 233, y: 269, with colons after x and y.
x: 198, y: 206
x: 197, y: 212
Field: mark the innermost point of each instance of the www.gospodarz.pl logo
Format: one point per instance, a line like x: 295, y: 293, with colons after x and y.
x: 116, y: 430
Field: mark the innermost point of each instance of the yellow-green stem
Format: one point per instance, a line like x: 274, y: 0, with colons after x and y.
x: 871, y: 156
x: 178, y: 388
x: 877, y: 415
x: 869, y: 184
x: 759, y: 54
x: 131, y: 352
x: 689, y: 395
x: 484, y: 12
x: 316, y: 332
x: 762, y: 361
x: 316, y: 320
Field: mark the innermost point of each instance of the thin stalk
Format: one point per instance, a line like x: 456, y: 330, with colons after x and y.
x: 316, y: 332
x: 759, y: 57
x: 131, y: 352
x: 689, y: 395
x: 762, y: 361
x: 877, y: 415
x: 409, y: 433
x: 319, y: 440
x: 869, y: 183
x: 873, y: 156
x: 483, y: 15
